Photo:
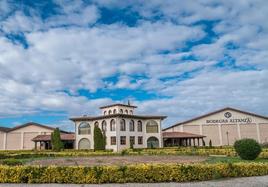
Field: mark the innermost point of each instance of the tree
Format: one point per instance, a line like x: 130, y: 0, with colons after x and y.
x: 99, y: 139
x: 210, y: 143
x: 56, y: 142
x: 204, y: 143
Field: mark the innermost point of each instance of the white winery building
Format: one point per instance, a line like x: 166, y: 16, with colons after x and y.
x: 121, y: 127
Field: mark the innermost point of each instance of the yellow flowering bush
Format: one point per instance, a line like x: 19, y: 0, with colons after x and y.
x: 228, y: 151
x: 141, y: 173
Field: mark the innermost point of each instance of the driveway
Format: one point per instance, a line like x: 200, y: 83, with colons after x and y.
x: 235, y: 182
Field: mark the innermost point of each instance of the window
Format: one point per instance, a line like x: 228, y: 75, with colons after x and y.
x: 104, y: 113
x: 131, y: 125
x: 140, y: 140
x: 110, y: 112
x: 123, y: 140
x: 126, y: 111
x: 139, y: 126
x: 103, y: 125
x: 152, y: 127
x: 84, y: 128
x: 121, y: 111
x: 112, y: 125
x: 114, y: 111
x: 132, y: 140
x: 122, y: 125
x: 96, y: 124
x: 113, y: 140
x: 130, y: 112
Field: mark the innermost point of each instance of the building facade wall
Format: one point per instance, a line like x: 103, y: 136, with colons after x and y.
x: 216, y: 127
x: 118, y: 133
x: 21, y: 138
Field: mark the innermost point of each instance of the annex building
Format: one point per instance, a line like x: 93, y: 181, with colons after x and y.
x: 222, y: 127
x: 31, y: 136
x: 122, y: 127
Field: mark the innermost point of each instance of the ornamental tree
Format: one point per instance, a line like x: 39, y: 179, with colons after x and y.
x: 56, y: 142
x: 99, y: 139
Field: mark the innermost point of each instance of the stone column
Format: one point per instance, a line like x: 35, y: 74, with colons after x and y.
x: 238, y: 131
x: 220, y: 134
x: 258, y: 132
x: 22, y: 140
x: 5, y: 141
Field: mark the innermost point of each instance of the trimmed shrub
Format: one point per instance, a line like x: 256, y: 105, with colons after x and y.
x: 141, y: 173
x: 99, y: 139
x: 247, y: 149
x: 56, y: 142
x: 210, y: 143
x: 11, y: 162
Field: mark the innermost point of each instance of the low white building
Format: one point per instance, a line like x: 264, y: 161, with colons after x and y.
x: 121, y: 127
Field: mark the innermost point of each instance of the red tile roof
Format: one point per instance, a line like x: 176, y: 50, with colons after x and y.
x: 181, y: 135
x: 48, y: 137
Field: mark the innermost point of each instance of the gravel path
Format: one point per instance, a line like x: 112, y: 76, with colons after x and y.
x: 235, y: 182
x: 116, y: 160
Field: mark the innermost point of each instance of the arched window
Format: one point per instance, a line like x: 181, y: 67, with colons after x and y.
x: 131, y: 125
x: 122, y: 125
x: 112, y: 125
x: 103, y: 125
x: 130, y: 112
x: 126, y: 111
x: 84, y: 128
x: 139, y: 126
x: 110, y: 112
x: 104, y: 113
x: 114, y: 111
x: 96, y: 124
x: 152, y: 142
x: 121, y: 111
x: 84, y: 143
x: 152, y: 127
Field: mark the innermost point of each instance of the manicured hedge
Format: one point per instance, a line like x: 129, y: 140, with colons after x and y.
x: 160, y: 151
x: 142, y: 173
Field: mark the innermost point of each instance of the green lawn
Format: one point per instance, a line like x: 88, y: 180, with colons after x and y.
x: 214, y: 159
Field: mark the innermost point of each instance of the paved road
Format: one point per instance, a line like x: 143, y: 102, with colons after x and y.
x: 236, y: 182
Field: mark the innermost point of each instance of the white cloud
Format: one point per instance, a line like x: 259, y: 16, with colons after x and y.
x: 146, y: 57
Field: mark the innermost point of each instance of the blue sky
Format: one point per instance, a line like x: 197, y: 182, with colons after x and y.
x: 182, y: 59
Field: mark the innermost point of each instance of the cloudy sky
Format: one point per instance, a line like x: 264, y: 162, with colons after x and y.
x: 182, y: 59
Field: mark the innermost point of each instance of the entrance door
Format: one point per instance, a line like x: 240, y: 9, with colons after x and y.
x: 152, y: 142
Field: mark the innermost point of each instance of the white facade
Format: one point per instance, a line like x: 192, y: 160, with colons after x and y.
x: 151, y: 129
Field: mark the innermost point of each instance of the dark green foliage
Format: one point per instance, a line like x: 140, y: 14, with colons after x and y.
x: 247, y: 149
x: 204, y: 143
x: 99, y: 139
x: 56, y: 142
x: 11, y: 162
x: 210, y: 143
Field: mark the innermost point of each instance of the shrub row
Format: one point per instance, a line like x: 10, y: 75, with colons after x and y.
x: 160, y: 151
x: 142, y: 173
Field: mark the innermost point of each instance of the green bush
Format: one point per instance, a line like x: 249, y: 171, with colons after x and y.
x: 11, y: 162
x: 56, y: 142
x: 247, y: 149
x: 99, y: 139
x: 141, y: 173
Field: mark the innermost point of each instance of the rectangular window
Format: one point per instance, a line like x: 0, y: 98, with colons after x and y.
x: 123, y: 140
x: 140, y: 140
x: 132, y: 140
x: 113, y: 140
